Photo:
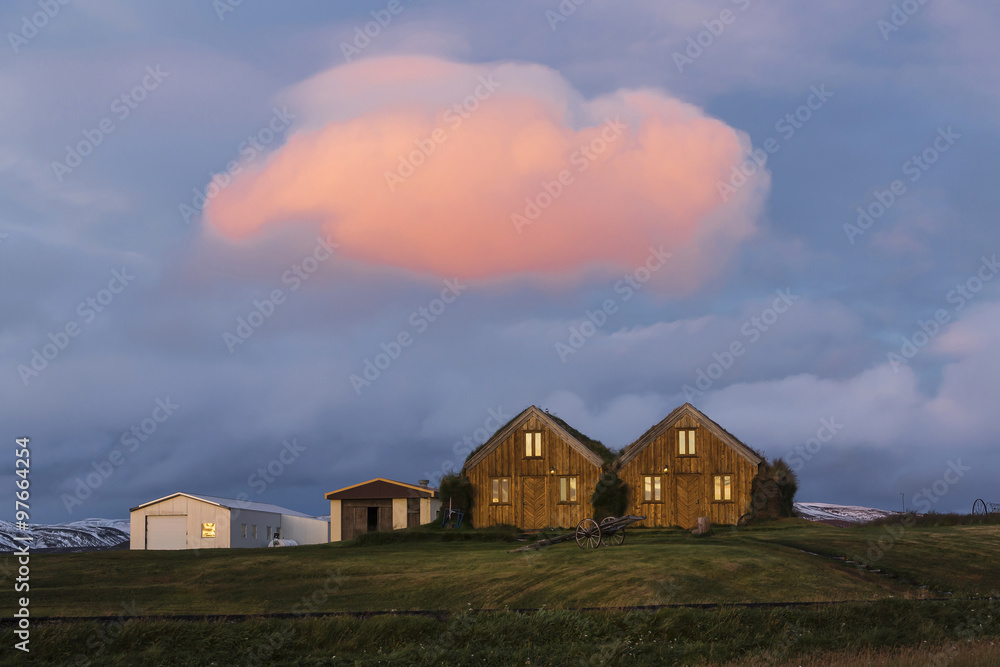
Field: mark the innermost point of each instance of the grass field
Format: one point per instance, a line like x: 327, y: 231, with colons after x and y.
x: 778, y: 562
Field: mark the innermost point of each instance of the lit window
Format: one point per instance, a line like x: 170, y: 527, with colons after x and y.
x: 651, y: 489
x: 685, y: 443
x: 723, y: 487
x: 243, y: 531
x: 208, y: 530
x: 533, y: 444
x: 567, y: 489
x: 253, y: 531
x: 501, y: 491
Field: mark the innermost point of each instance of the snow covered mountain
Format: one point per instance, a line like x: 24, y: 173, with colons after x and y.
x: 87, y: 533
x: 839, y: 513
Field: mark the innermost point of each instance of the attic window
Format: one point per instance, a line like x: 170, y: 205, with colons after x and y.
x: 533, y: 445
x: 685, y: 442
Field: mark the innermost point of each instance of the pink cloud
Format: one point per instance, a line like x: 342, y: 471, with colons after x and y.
x: 438, y: 167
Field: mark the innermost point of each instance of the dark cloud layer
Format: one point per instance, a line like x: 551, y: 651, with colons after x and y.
x: 152, y: 341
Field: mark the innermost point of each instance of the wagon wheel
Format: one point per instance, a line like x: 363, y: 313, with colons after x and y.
x: 979, y: 507
x: 613, y: 539
x: 745, y: 519
x: 588, y: 534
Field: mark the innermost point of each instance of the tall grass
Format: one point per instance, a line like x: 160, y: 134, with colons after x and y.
x: 673, y: 636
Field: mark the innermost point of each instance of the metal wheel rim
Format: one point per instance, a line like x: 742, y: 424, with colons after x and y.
x: 615, y: 539
x: 588, y: 534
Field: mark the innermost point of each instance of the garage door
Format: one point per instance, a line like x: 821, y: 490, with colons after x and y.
x: 166, y: 532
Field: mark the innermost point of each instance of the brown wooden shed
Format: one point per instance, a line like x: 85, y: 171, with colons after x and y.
x: 688, y: 466
x: 380, y: 504
x: 534, y: 472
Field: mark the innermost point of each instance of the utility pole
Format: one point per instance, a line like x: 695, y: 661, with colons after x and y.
x: 902, y: 500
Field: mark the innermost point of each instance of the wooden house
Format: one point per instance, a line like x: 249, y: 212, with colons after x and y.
x: 534, y: 472
x: 380, y: 504
x: 685, y: 467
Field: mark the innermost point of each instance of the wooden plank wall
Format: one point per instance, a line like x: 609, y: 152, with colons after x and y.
x: 508, y: 460
x: 713, y: 457
x: 353, y: 523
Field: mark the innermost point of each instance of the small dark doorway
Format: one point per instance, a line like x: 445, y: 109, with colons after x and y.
x: 372, y: 519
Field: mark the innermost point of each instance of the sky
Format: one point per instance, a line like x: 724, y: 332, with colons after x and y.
x: 268, y: 250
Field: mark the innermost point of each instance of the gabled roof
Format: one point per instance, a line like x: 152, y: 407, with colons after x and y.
x: 230, y: 503
x: 689, y: 410
x: 381, y: 487
x: 556, y: 425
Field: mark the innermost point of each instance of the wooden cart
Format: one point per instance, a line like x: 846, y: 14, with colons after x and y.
x: 982, y: 508
x: 590, y: 534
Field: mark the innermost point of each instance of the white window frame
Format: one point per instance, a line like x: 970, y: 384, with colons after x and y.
x: 532, y: 444
x: 652, y: 489
x: 500, y: 491
x: 686, y: 442
x: 722, y: 487
x: 569, y: 490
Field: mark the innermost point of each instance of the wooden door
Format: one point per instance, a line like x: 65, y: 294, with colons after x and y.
x: 687, y: 500
x: 360, y: 521
x: 534, y: 512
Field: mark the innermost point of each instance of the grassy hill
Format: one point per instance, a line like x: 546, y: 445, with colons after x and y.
x: 426, y: 569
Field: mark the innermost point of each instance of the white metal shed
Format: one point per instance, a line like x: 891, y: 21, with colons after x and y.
x: 194, y: 521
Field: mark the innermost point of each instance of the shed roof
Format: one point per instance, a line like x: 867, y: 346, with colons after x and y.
x: 230, y: 503
x: 657, y: 430
x: 590, y: 449
x: 382, y: 488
